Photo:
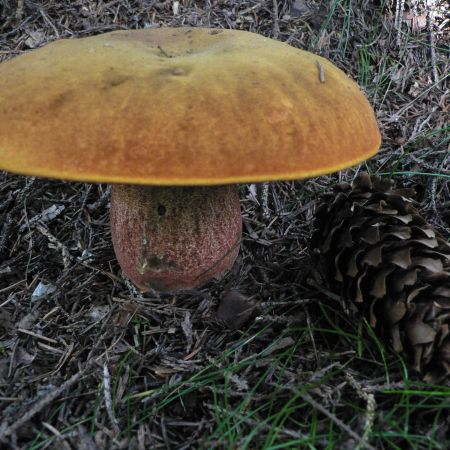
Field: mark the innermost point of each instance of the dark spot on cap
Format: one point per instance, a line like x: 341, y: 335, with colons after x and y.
x: 175, y: 71
x: 58, y: 101
x: 117, y: 81
x: 113, y: 79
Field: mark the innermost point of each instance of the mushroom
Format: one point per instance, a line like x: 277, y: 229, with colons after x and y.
x: 175, y: 118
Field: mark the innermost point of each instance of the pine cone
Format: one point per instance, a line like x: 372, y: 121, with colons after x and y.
x: 379, y: 254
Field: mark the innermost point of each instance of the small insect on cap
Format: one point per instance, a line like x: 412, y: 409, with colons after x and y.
x: 180, y: 106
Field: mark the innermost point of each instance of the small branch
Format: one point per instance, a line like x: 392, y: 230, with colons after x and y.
x: 276, y: 23
x: 262, y: 191
x: 19, y: 10
x: 163, y: 52
x: 369, y: 398
x: 321, y: 72
x: 66, y: 256
x: 430, y: 15
x: 337, y: 421
x: 41, y: 404
x: 108, y: 399
x: 4, y: 231
x: 399, y: 9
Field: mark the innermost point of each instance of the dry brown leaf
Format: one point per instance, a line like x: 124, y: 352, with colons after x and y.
x: 235, y: 309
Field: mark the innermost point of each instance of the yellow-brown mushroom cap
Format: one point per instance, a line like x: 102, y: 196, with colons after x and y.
x: 180, y: 106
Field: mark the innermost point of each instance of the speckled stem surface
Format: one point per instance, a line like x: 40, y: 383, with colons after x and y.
x: 170, y: 238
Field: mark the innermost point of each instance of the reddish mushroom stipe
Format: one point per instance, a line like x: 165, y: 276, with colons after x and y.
x: 175, y: 238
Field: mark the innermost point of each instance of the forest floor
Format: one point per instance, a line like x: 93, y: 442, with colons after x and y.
x: 88, y: 362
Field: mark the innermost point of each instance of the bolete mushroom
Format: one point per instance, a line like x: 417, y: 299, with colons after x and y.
x: 175, y: 118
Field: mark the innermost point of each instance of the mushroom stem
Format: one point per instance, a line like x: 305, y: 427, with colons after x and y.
x: 170, y: 238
